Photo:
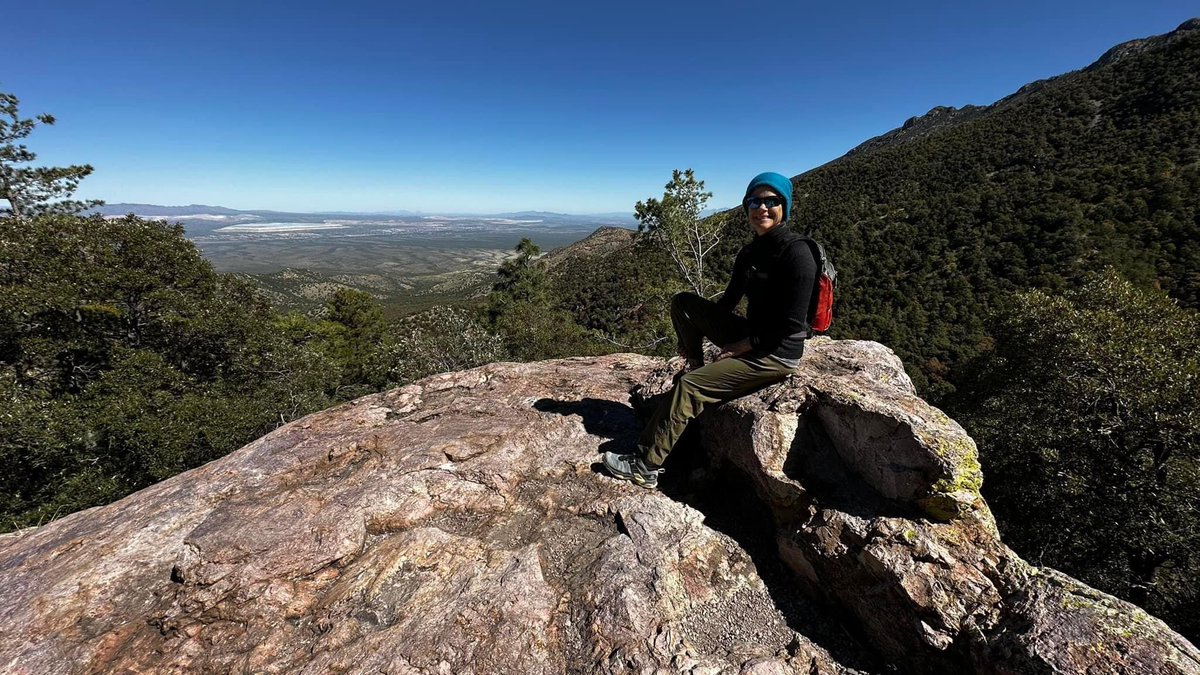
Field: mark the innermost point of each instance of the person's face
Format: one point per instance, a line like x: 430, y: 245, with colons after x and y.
x: 763, y: 218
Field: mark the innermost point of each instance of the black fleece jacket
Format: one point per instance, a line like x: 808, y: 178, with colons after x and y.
x: 777, y: 273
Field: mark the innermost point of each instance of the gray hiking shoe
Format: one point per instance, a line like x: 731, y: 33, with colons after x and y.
x: 632, y: 468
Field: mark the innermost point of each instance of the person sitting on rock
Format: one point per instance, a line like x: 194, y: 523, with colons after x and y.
x: 776, y: 272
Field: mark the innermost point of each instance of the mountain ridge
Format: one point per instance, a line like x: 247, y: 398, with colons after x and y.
x: 943, y: 116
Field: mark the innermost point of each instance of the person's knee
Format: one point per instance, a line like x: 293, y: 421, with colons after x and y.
x: 681, y: 301
x: 688, y: 385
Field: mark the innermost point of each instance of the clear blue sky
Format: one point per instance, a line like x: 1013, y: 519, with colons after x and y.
x: 493, y: 106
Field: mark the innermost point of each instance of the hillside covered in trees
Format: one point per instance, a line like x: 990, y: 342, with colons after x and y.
x: 1036, y: 264
x: 1088, y: 170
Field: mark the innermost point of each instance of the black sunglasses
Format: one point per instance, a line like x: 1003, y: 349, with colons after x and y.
x: 769, y: 202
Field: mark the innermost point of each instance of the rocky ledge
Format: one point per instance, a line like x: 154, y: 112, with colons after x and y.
x: 830, y: 524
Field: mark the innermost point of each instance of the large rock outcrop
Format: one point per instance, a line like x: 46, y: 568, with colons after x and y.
x: 460, y: 525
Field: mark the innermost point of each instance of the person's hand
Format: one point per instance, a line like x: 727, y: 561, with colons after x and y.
x: 734, y: 349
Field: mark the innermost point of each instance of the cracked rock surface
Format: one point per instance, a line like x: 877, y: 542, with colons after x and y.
x: 456, y: 525
x: 461, y: 525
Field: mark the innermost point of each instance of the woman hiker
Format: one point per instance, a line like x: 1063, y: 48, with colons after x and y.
x: 777, y: 272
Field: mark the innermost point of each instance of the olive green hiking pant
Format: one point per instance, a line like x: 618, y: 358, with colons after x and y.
x: 696, y: 318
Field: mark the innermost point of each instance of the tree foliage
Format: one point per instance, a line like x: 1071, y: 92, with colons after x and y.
x: 439, y: 340
x: 32, y: 190
x: 124, y: 359
x: 675, y: 224
x: 1088, y: 422
x: 351, y: 337
x: 524, y: 310
x: 622, y: 297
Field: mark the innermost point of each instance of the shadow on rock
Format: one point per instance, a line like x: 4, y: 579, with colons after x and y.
x: 814, y: 461
x: 606, y: 419
x: 730, y: 506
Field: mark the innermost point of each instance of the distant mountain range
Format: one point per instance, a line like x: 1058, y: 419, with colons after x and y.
x: 159, y: 211
x: 121, y: 209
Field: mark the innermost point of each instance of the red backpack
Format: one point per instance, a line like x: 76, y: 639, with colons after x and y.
x: 820, y: 308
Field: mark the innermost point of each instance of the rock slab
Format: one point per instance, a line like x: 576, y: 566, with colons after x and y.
x: 456, y: 525
x: 460, y: 525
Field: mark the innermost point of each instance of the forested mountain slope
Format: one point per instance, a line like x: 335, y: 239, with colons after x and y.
x: 931, y: 223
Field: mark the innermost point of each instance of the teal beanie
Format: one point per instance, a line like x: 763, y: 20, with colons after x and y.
x: 777, y: 182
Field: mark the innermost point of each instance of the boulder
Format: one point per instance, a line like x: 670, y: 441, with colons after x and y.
x: 875, y: 500
x: 462, y: 525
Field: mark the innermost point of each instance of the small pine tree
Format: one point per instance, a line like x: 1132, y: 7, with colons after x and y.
x: 34, y: 190
x: 674, y: 223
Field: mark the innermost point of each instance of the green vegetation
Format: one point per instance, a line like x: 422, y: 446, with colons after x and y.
x: 1094, y: 169
x: 524, y: 310
x: 622, y: 297
x: 674, y: 225
x: 1087, y: 419
x: 442, y: 339
x: 124, y: 360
